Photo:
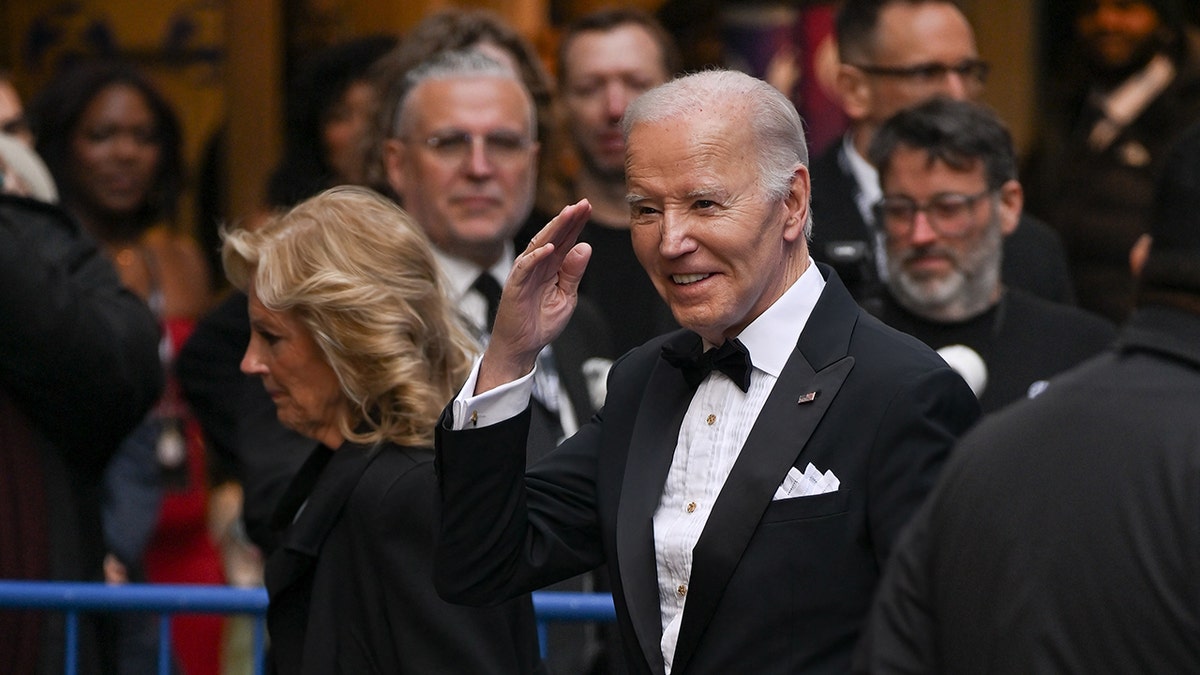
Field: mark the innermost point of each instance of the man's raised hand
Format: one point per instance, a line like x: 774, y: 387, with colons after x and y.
x: 539, y: 298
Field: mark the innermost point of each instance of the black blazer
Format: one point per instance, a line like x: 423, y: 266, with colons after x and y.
x: 1064, y: 536
x: 350, y: 585
x: 1034, y: 258
x: 776, y: 586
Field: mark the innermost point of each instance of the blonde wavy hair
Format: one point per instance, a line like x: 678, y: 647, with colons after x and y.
x: 359, y: 273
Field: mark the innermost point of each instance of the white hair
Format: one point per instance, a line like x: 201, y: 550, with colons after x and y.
x: 776, y: 126
x: 454, y: 64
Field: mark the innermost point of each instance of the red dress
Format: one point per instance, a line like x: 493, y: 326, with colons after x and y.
x: 181, y: 549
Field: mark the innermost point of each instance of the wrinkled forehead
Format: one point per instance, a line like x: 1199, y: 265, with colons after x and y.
x: 689, y: 150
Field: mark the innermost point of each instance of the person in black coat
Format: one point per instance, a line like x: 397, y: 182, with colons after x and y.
x: 78, y: 370
x: 1063, y: 535
x: 950, y: 198
x: 359, y: 348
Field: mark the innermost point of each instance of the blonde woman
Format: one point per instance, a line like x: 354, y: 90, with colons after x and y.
x: 360, y: 350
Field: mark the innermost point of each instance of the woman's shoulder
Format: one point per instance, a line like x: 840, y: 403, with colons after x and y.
x: 399, y: 480
x: 393, y: 465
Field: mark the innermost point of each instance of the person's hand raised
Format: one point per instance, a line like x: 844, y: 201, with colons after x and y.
x: 539, y: 298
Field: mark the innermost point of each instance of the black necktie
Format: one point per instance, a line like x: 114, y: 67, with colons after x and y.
x: 487, y: 285
x: 730, y: 358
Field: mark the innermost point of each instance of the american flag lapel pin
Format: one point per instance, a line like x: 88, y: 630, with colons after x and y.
x: 806, y: 398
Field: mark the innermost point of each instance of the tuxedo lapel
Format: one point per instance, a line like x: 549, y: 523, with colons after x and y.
x: 819, y: 365
x: 651, y: 447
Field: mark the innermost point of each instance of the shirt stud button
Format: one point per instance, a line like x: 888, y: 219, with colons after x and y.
x: 691, y: 507
x: 682, y: 590
x: 712, y: 419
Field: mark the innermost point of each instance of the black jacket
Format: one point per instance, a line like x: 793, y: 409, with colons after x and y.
x: 351, y: 585
x: 777, y: 586
x: 78, y: 369
x: 1064, y: 535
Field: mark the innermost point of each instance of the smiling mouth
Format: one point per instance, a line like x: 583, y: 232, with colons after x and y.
x: 685, y: 279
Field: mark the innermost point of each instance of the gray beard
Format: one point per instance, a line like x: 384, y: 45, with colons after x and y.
x: 965, y: 293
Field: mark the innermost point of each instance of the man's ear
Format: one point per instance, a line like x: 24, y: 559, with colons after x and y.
x: 854, y: 92
x: 394, y: 151
x: 1139, y: 253
x: 1011, y: 203
x: 797, y: 204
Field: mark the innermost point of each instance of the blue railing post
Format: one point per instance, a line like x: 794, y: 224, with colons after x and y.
x: 164, y: 644
x: 71, y: 598
x: 70, y: 661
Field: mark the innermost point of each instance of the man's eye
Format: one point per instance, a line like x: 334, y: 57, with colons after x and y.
x: 506, y: 142
x: 705, y: 204
x: 931, y: 71
x: 898, y: 211
x: 947, y: 209
x: 585, y: 90
x: 450, y: 142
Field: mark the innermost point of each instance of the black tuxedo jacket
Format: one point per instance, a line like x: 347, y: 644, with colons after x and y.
x: 776, y: 586
x: 350, y: 587
x: 1034, y: 258
x: 1064, y: 535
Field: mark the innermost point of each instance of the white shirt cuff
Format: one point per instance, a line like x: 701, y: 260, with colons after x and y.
x: 491, y: 407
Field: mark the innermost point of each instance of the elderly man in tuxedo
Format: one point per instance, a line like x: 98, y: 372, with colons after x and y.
x: 744, y: 515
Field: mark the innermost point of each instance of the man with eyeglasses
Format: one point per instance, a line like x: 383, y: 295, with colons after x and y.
x: 1063, y: 534
x: 897, y: 53
x: 463, y: 160
x: 950, y: 197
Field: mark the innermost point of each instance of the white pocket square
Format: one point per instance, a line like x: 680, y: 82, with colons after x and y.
x: 811, y: 482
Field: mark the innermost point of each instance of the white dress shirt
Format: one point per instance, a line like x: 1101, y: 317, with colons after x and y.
x: 715, y: 427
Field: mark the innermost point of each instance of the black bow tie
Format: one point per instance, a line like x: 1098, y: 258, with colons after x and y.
x: 730, y: 358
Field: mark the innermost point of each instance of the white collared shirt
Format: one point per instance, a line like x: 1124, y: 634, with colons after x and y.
x: 704, y: 453
x: 715, y: 427
x: 458, y: 275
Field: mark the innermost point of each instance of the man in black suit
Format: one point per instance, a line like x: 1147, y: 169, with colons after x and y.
x: 894, y: 54
x: 1063, y: 536
x: 950, y: 197
x: 744, y: 515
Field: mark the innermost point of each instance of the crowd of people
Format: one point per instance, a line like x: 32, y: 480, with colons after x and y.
x: 468, y: 350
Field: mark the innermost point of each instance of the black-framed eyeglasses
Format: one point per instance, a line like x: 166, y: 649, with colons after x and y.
x: 501, y: 147
x: 974, y: 71
x: 948, y: 213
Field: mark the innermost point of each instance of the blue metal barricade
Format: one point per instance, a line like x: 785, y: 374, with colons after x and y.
x: 71, y: 598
